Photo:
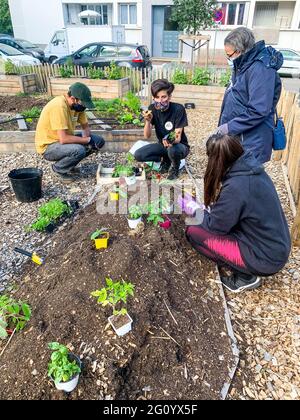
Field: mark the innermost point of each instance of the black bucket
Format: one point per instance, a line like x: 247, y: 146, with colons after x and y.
x: 26, y: 184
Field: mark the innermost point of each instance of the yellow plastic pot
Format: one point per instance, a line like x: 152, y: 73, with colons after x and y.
x: 114, y: 196
x: 102, y: 243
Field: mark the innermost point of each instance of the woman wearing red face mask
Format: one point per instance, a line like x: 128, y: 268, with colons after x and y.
x: 166, y: 117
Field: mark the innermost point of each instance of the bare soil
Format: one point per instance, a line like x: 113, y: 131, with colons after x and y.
x: 183, y: 356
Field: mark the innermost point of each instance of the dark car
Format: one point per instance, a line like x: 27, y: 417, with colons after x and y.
x: 102, y: 54
x: 25, y: 47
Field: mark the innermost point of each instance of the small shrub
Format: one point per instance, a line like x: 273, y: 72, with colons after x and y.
x: 10, y: 68
x: 61, y: 369
x: 32, y: 113
x: 135, y: 212
x: 225, y: 78
x: 113, y: 72
x: 95, y: 73
x: 201, y: 77
x: 113, y: 294
x: 13, y: 315
x: 180, y: 77
x: 48, y: 213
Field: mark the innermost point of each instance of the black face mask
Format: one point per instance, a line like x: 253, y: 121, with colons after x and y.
x: 78, y: 107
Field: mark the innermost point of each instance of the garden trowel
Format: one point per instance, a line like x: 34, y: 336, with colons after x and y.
x: 35, y: 258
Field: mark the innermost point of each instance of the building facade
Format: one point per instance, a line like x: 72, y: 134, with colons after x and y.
x: 148, y: 21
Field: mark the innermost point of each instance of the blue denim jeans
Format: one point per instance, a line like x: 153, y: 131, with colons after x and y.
x: 67, y: 156
x: 155, y: 152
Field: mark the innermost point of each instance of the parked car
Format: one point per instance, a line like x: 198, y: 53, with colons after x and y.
x: 102, y: 54
x: 291, y: 63
x: 25, y: 47
x: 8, y: 53
x: 5, y: 36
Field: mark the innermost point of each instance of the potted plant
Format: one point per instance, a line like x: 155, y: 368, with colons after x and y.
x: 64, y: 368
x: 100, y: 237
x: 113, y: 294
x: 13, y: 315
x: 126, y: 170
x: 116, y: 193
x: 134, y: 216
x: 170, y: 137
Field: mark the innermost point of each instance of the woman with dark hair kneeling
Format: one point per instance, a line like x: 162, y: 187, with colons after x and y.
x: 244, y: 228
x: 168, y: 118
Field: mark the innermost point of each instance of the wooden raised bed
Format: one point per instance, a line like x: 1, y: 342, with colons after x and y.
x: 205, y: 97
x: 116, y: 140
x: 104, y: 89
x: 11, y: 85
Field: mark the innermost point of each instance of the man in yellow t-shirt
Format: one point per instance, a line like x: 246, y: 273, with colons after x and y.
x: 55, y: 138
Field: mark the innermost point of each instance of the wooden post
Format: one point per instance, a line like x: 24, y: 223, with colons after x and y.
x: 295, y: 233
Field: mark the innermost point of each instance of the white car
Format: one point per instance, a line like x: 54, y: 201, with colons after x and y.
x: 8, y: 53
x: 291, y: 63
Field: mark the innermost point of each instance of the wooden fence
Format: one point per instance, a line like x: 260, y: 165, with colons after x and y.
x: 289, y: 110
x: 140, y: 80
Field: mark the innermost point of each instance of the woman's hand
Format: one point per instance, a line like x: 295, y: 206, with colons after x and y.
x: 166, y: 144
x: 148, y: 115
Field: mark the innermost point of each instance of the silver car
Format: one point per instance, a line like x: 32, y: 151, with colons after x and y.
x: 291, y: 63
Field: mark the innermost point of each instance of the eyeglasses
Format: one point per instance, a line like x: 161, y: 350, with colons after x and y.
x: 230, y: 55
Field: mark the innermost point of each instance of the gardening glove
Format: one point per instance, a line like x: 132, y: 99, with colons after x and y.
x: 189, y: 205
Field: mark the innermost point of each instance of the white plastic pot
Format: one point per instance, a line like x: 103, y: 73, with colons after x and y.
x: 121, y: 330
x: 70, y: 385
x: 130, y: 180
x: 133, y: 223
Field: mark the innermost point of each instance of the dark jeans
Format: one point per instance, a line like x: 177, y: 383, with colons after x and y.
x: 156, y: 152
x: 67, y: 156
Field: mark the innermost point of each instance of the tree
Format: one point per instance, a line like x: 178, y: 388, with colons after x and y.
x: 5, y: 18
x: 194, y: 15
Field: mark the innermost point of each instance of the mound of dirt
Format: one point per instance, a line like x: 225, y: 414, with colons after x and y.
x: 178, y: 347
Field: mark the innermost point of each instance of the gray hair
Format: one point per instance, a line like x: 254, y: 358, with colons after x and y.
x: 241, y: 39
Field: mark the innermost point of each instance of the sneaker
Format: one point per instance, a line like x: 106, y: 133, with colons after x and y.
x: 173, y: 174
x: 75, y: 171
x: 64, y: 178
x: 164, y: 167
x: 236, y: 283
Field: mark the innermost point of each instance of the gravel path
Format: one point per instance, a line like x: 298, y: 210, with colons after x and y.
x: 266, y: 322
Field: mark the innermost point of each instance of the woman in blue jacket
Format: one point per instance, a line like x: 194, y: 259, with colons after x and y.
x: 245, y: 228
x: 249, y: 103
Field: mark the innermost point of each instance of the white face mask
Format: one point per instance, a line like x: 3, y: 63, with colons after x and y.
x: 230, y: 63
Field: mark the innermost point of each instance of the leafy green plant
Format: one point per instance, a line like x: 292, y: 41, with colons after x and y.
x: 98, y: 233
x: 132, y: 103
x: 61, y: 369
x: 180, y: 77
x: 135, y: 212
x: 126, y: 118
x: 113, y: 72
x: 67, y: 70
x: 113, y: 294
x: 201, y: 77
x: 13, y: 315
x: 50, y: 212
x: 32, y: 113
x: 225, y: 78
x: 155, y: 209
x: 95, y: 73
x: 10, y: 68
x: 125, y: 169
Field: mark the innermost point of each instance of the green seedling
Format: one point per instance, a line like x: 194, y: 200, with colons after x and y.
x: 126, y: 169
x: 135, y: 212
x: 13, y: 315
x: 48, y: 213
x: 61, y: 369
x: 98, y: 233
x: 113, y: 294
x: 32, y: 113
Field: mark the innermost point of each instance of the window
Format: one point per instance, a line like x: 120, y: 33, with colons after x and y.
x: 290, y: 55
x: 234, y: 13
x: 124, y: 51
x: 108, y: 51
x: 90, y: 51
x: 104, y: 11
x: 127, y: 14
x: 58, y: 38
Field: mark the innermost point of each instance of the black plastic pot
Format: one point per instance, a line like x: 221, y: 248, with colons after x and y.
x: 26, y: 184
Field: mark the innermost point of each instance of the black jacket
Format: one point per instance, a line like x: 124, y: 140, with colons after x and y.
x: 249, y: 209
